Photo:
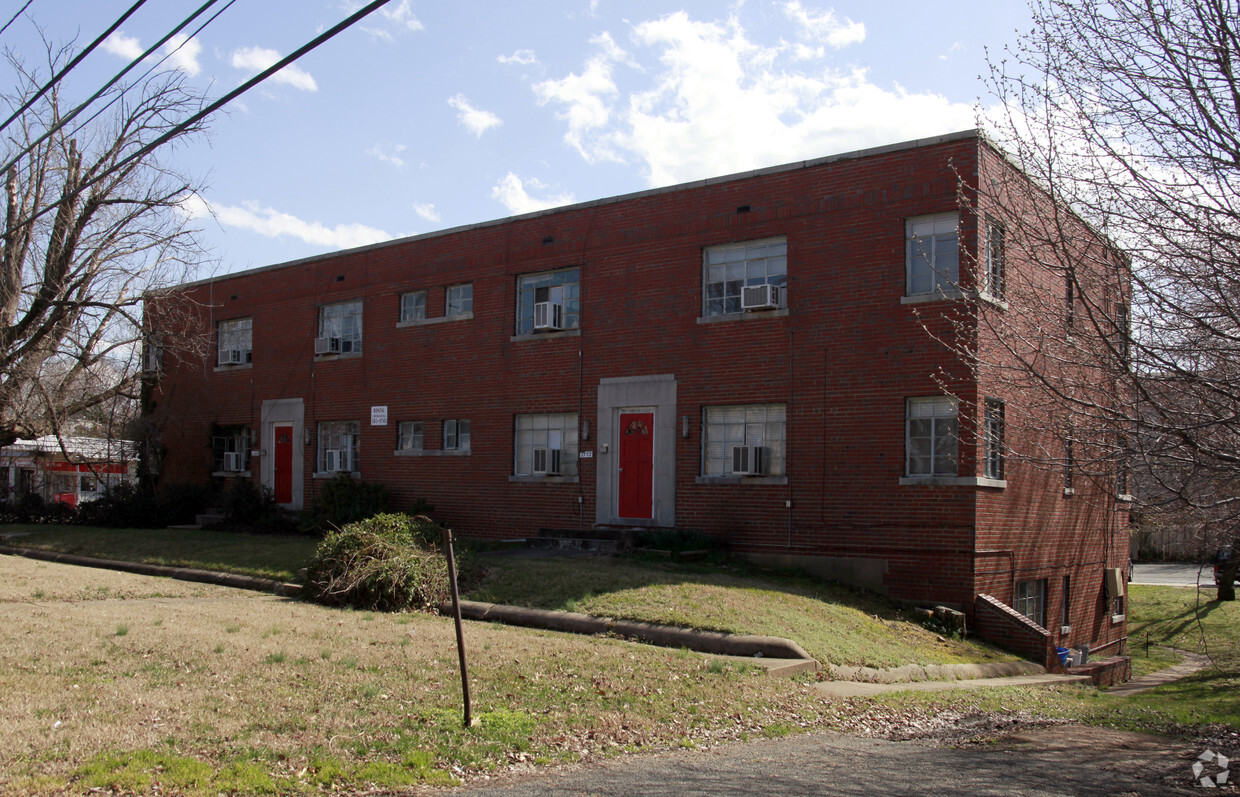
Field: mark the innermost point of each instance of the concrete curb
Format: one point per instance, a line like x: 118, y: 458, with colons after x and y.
x: 744, y: 645
x: 180, y: 573
x: 910, y: 673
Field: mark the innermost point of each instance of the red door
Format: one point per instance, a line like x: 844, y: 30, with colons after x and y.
x: 283, y: 476
x: 636, y: 464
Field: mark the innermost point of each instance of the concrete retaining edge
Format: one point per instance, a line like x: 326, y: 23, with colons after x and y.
x: 180, y: 573
x: 933, y: 672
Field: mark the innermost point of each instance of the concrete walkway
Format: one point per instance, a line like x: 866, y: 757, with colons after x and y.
x: 862, y: 689
x: 1191, y: 664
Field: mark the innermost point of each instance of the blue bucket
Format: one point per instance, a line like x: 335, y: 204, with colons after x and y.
x: 1063, y: 655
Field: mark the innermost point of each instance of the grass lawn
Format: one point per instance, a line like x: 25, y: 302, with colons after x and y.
x: 834, y: 624
x: 278, y: 557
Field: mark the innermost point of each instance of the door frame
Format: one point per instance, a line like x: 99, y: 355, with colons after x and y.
x: 654, y: 393
x: 284, y: 412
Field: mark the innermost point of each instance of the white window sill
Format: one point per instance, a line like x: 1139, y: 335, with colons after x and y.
x: 331, y: 474
x: 1125, y: 498
x: 563, y: 333
x: 224, y: 474
x: 1068, y: 492
x: 934, y: 296
x: 952, y: 481
x: 991, y: 299
x: 537, y: 479
x: 436, y: 452
x: 424, y: 322
x: 349, y: 355
x: 742, y: 480
x: 1064, y: 630
x: 224, y: 368
x: 747, y: 315
x: 1118, y: 618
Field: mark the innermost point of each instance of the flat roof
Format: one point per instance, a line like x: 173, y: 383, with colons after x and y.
x: 786, y: 167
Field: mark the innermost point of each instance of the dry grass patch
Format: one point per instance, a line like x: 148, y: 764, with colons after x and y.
x: 244, y: 693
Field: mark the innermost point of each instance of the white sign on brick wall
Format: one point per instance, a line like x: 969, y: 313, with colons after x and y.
x: 378, y: 416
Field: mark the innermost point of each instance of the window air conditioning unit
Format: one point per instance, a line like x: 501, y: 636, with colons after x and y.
x: 547, y: 461
x: 336, y: 459
x: 762, y: 297
x: 233, y: 461
x: 327, y: 345
x: 750, y: 460
x: 548, y: 316
x: 232, y: 357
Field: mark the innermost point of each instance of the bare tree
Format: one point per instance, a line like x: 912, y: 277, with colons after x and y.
x: 1126, y: 114
x: 88, y: 229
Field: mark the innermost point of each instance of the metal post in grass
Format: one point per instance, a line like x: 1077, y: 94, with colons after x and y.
x: 456, y: 616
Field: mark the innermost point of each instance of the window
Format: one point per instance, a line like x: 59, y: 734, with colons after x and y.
x: 230, y: 449
x: 340, y: 325
x: 1069, y: 464
x: 1066, y: 614
x: 546, y: 445
x: 744, y: 440
x: 1069, y: 298
x: 456, y: 435
x: 932, y: 257
x: 409, y: 436
x: 234, y: 341
x: 413, y: 306
x: 995, y: 255
x: 460, y: 300
x: 549, y: 302
x: 1029, y: 600
x: 993, y: 439
x: 339, y: 446
x: 728, y: 269
x: 931, y: 436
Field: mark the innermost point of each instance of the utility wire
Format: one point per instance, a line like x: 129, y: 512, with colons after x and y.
x: 76, y: 60
x: 20, y: 11
x: 180, y: 127
x: 83, y: 106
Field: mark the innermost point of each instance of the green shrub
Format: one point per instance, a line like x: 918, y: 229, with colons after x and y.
x: 382, y: 563
x: 346, y: 500
x: 244, y: 502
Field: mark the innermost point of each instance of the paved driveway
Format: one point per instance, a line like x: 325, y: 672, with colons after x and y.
x: 1174, y: 574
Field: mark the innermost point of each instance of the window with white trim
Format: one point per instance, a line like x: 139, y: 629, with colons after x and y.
x: 413, y: 306
x: 456, y: 435
x: 409, y: 436
x: 460, y: 300
x: 549, y: 302
x: 992, y: 437
x: 728, y: 270
x: 743, y: 440
x: 932, y: 256
x: 234, y: 341
x: 995, y: 258
x: 230, y: 449
x: 546, y: 445
x: 1029, y: 599
x: 341, y: 322
x: 932, y: 433
x: 339, y: 446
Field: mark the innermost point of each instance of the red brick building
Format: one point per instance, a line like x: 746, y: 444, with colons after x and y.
x: 751, y: 356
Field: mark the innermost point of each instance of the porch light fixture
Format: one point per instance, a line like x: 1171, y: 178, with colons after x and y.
x: 684, y: 426
x: 585, y: 429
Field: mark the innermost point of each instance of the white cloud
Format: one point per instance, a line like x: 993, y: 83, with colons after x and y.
x: 400, y: 19
x: 125, y: 46
x: 707, y: 100
x: 182, y: 52
x: 426, y: 210
x: 824, y: 27
x: 587, y: 97
x: 511, y: 192
x: 476, y: 120
x: 521, y: 57
x: 256, y: 59
x: 379, y: 152
x: 272, y: 223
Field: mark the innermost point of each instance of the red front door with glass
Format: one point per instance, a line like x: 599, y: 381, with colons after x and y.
x: 282, y: 478
x: 636, y: 465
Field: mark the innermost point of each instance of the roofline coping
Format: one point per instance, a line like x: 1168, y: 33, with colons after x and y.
x: 709, y: 181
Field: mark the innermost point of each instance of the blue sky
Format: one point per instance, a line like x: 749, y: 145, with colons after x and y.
x: 430, y: 115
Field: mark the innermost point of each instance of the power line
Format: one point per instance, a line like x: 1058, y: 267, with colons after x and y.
x: 76, y: 60
x: 20, y: 11
x: 180, y: 127
x: 82, y: 106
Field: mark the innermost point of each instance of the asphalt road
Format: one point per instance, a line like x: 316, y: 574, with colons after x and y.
x: 841, y: 766
x: 1173, y: 574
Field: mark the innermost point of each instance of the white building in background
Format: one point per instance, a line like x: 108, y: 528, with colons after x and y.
x: 81, y: 469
